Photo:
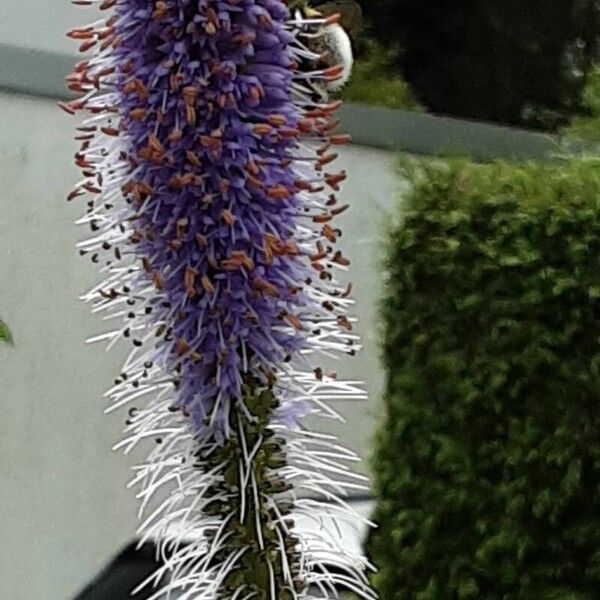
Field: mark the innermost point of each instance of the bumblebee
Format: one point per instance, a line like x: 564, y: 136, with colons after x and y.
x: 334, y: 41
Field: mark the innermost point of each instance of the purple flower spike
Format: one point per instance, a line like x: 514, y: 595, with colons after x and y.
x: 205, y: 152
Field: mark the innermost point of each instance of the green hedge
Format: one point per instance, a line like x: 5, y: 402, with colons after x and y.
x: 487, y: 466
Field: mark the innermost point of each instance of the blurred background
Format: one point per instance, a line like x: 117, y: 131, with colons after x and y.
x: 486, y: 80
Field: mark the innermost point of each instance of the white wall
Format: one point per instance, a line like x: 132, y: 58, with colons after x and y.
x: 63, y: 503
x: 64, y: 508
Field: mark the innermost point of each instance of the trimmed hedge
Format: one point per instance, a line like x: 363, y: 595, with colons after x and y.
x: 487, y: 466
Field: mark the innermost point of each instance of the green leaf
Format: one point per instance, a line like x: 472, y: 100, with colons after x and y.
x: 468, y: 589
x: 5, y: 334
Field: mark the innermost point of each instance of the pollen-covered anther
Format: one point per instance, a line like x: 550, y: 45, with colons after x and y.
x: 207, y: 284
x: 91, y: 188
x: 224, y: 186
x: 326, y: 159
x: 333, y: 73
x: 78, y: 84
x: 182, y: 226
x: 333, y: 180
x: 84, y: 33
x: 339, y: 140
x: 262, y: 129
x: 294, y: 321
x: 320, y: 255
x: 175, y: 135
x: 289, y: 132
x: 252, y: 168
x: 277, y: 120
x: 110, y: 295
x: 340, y: 210
x: 135, y: 237
x: 138, y: 190
x: 193, y: 158
x: 264, y: 20
x: 190, y: 115
x: 183, y: 347
x: 179, y: 181
x: 158, y: 280
x: 278, y: 192
x: 67, y: 107
x: 254, y: 181
x: 324, y: 111
x: 332, y: 19
x: 190, y: 95
x: 339, y: 259
x: 175, y: 81
x: 303, y: 185
x: 110, y: 131
x: 257, y: 93
x: 329, y: 233
x: 138, y: 114
x: 265, y: 287
x: 114, y: 41
x: 85, y: 46
x: 212, y: 22
x: 344, y: 323
x: 227, y: 216
x: 106, y: 33
x: 75, y: 194
x: 190, y: 282
x: 306, y: 125
x: 326, y: 127
x: 237, y: 260
x: 244, y: 38
x: 82, y: 162
x: 324, y: 218
x: 211, y: 143
x: 155, y: 145
x: 160, y: 11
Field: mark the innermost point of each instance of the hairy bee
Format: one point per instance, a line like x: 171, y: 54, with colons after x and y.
x: 333, y: 42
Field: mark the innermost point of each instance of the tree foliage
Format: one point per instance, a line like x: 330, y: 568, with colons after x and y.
x: 485, y: 59
x: 487, y: 465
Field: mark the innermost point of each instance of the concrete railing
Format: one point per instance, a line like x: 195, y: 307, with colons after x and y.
x: 41, y: 73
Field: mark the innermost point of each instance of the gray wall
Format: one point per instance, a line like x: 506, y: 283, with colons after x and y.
x: 41, y: 24
x: 64, y: 508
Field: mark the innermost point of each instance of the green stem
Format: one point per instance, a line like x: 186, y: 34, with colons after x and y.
x: 254, y: 526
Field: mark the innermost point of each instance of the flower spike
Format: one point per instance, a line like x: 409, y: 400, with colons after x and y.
x: 203, y: 151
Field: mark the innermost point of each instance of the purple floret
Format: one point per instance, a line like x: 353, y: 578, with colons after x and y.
x: 206, y: 99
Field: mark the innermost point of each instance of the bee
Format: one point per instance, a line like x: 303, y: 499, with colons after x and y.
x: 333, y: 42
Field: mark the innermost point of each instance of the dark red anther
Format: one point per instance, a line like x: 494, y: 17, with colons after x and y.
x: 340, y: 140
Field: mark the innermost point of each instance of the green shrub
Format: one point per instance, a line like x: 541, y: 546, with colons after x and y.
x: 487, y: 465
x: 587, y: 127
x: 374, y: 81
x: 5, y: 335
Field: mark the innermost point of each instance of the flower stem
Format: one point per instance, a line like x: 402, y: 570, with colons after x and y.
x: 257, y: 503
